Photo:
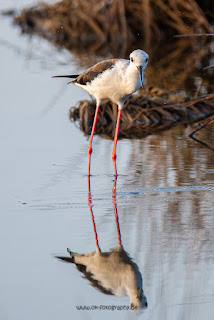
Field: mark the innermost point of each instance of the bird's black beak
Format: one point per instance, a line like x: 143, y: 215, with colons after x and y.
x: 139, y: 69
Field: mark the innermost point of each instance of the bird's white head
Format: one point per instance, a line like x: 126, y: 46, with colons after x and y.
x: 139, y: 58
x: 139, y: 300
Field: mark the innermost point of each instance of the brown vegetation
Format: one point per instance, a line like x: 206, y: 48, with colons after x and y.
x: 143, y: 115
x: 205, y: 125
x: 119, y: 26
x: 118, y: 22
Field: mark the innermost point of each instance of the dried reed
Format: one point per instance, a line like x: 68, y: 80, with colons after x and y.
x: 143, y: 115
x: 116, y: 22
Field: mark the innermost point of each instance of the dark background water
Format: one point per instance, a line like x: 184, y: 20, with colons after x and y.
x: 164, y: 198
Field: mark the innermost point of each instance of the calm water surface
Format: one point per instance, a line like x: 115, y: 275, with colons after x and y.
x: 164, y: 198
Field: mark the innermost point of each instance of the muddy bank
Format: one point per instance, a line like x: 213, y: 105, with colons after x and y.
x: 142, y: 115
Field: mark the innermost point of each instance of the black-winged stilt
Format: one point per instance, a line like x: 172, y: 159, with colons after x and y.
x: 112, y: 272
x: 116, y: 80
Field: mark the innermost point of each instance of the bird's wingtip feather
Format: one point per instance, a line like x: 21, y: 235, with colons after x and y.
x: 74, y: 76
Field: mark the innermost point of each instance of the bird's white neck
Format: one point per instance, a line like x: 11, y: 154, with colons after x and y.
x: 133, y: 78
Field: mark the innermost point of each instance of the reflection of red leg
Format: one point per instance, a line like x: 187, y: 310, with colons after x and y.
x: 92, y: 215
x: 115, y: 211
x: 114, y: 156
x: 91, y: 138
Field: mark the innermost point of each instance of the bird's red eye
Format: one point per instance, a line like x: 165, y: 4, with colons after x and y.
x: 132, y: 59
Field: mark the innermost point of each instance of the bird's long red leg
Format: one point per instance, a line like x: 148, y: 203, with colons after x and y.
x: 114, y: 156
x: 91, y: 138
x: 115, y: 211
x: 92, y: 214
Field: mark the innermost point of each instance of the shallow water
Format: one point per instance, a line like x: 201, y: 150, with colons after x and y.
x: 164, y: 197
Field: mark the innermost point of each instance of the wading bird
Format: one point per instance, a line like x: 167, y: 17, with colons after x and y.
x: 116, y: 80
x: 112, y: 272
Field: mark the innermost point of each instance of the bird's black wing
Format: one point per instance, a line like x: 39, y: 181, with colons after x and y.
x: 91, y: 73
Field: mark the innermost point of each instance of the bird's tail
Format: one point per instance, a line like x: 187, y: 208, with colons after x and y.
x: 73, y: 76
x: 66, y: 259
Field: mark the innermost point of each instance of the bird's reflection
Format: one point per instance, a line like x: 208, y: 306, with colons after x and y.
x: 111, y: 272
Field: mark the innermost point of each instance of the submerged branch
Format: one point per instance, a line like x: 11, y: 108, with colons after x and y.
x: 200, y: 141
